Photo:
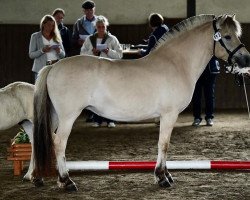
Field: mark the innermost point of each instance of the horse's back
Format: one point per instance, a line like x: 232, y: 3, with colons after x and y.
x: 80, y: 71
x: 72, y: 72
x: 24, y: 93
x: 19, y: 90
x: 89, y: 72
x: 16, y: 101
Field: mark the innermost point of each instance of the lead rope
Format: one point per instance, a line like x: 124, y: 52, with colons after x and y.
x: 246, y: 96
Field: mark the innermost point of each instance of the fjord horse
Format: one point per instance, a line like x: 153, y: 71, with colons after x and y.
x: 16, y: 100
x: 158, y: 85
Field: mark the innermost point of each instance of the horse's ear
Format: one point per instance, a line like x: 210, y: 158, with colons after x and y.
x: 224, y: 17
x: 221, y: 20
x: 233, y: 16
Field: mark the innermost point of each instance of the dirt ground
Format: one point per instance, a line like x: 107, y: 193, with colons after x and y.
x: 228, y: 139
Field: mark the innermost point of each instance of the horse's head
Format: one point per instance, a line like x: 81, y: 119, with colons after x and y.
x: 227, y: 44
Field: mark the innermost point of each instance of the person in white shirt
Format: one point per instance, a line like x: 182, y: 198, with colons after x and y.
x: 102, y: 44
x: 46, y: 45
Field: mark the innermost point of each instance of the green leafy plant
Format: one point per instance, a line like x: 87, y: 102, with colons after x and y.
x: 21, y: 137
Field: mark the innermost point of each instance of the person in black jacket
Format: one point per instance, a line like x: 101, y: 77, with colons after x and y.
x: 59, y: 14
x: 83, y: 26
x: 156, y: 22
x: 206, y: 82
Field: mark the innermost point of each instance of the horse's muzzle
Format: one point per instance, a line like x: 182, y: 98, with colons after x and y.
x: 242, y: 60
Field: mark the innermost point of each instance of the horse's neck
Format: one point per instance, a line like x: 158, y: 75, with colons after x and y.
x: 191, y: 51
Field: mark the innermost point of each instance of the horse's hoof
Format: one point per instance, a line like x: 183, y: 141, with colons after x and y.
x: 26, y: 178
x: 163, y: 177
x: 67, y: 184
x: 164, y: 183
x: 38, y: 182
x: 71, y: 187
x: 170, y: 178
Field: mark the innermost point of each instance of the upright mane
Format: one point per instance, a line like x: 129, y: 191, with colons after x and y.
x: 183, y: 26
x: 11, y: 86
x: 229, y: 22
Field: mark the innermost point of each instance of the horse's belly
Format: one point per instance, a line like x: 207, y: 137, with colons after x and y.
x: 8, y: 122
x: 127, y: 113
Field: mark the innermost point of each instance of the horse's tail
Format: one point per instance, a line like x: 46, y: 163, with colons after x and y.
x: 43, y: 144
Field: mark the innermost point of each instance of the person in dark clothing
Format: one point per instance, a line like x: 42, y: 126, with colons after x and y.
x: 156, y: 22
x: 65, y: 33
x: 205, y: 83
x: 84, y: 26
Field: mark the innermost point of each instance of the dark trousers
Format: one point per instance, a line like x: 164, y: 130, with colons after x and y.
x: 98, y: 119
x: 205, y: 83
x: 35, y: 76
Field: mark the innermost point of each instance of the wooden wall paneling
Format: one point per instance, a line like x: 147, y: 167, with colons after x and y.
x: 15, y: 64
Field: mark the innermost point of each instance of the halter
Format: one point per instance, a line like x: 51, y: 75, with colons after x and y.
x: 217, y: 37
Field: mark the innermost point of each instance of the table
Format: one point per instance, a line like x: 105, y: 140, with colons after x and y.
x: 130, y: 54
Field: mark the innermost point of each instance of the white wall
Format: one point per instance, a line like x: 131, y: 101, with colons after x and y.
x: 218, y: 7
x: 117, y: 11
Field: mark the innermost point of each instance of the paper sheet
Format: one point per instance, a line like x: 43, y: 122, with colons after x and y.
x: 101, y: 47
x: 55, y: 46
x: 83, y: 37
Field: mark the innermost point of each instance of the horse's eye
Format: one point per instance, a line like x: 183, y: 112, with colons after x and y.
x: 228, y: 37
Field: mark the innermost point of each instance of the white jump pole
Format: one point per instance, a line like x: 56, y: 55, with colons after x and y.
x: 150, y: 165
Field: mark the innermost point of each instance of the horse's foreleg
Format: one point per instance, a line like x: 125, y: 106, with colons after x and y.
x: 60, y: 142
x: 28, y: 127
x: 162, y: 175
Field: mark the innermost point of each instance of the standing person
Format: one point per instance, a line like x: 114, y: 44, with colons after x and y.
x: 205, y: 83
x: 102, y: 44
x: 59, y: 15
x: 84, y: 26
x: 156, y: 23
x: 46, y: 45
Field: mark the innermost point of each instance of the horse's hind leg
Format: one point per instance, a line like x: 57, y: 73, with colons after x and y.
x: 38, y: 181
x: 162, y: 175
x: 60, y: 142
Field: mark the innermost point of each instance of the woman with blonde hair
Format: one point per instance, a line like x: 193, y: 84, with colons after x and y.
x: 46, y: 45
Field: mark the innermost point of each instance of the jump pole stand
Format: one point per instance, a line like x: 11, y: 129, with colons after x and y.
x: 150, y: 165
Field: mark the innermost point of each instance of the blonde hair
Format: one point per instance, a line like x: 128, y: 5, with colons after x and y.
x: 101, y: 19
x: 55, y: 33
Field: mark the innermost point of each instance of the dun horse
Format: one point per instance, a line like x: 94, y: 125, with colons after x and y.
x: 158, y: 85
x: 16, y: 100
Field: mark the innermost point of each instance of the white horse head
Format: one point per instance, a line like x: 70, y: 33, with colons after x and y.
x: 230, y: 31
